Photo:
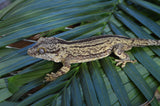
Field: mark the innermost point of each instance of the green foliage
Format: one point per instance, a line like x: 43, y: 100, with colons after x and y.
x: 94, y: 83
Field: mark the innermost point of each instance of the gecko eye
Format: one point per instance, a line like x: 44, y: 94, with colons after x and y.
x: 41, y: 50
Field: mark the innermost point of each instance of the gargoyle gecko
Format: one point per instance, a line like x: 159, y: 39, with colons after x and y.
x: 85, y: 50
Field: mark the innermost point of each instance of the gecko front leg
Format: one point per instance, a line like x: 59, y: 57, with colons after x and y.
x: 63, y: 70
x: 119, y: 50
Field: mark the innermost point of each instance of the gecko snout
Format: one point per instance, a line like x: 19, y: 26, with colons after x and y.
x: 31, y: 52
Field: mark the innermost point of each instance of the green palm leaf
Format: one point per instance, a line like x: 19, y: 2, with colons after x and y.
x: 94, y: 83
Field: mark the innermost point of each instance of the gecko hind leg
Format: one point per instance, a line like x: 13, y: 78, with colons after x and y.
x: 63, y: 70
x: 119, y: 50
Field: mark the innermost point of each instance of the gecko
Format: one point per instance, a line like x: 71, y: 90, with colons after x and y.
x: 85, y: 50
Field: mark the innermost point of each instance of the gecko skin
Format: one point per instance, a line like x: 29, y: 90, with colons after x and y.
x: 85, y: 50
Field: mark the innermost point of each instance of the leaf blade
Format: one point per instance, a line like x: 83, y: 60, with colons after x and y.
x: 116, y: 82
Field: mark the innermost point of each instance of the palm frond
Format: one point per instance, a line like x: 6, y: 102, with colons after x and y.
x: 94, y: 83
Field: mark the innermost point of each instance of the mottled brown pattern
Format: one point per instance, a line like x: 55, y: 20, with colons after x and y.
x: 85, y: 50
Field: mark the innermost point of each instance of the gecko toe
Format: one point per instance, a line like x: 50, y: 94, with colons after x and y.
x: 119, y: 62
x: 123, y: 62
x: 50, y: 77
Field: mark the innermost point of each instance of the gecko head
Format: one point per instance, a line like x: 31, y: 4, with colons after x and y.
x: 46, y: 48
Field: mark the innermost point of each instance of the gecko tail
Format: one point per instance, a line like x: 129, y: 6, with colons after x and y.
x: 145, y: 42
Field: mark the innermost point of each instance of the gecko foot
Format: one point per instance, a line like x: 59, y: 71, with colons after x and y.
x: 123, y: 62
x: 50, y: 77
